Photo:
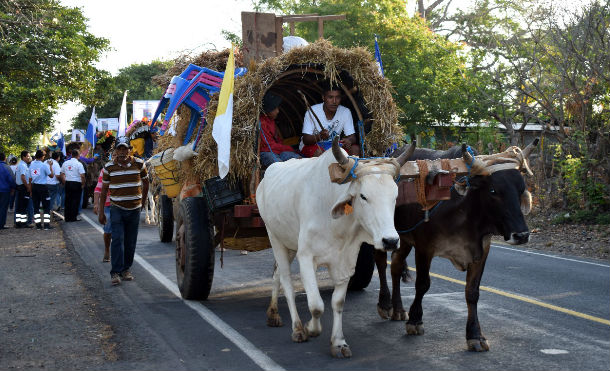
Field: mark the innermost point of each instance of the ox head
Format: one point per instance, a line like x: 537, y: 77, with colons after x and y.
x: 371, y: 195
x: 497, y: 189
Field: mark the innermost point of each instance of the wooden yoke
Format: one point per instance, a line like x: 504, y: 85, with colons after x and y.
x: 440, y: 189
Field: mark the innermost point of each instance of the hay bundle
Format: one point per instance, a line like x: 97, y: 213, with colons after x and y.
x: 305, y: 68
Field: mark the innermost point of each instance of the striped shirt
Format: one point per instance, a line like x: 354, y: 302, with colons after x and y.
x: 125, y: 183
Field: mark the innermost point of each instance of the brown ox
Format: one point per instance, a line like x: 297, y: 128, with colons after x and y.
x: 494, y: 200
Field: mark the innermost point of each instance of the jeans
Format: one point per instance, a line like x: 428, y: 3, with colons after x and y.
x: 62, y: 196
x: 124, y: 227
x: 11, y: 203
x: 4, y: 201
x: 54, y: 194
x: 267, y: 158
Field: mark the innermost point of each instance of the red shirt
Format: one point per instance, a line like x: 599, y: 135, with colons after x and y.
x: 270, y: 134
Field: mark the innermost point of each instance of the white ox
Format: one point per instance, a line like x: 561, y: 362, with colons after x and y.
x: 324, y: 223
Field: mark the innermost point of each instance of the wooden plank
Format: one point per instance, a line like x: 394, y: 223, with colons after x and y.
x: 279, y: 40
x: 259, y: 36
x: 313, y: 18
x: 411, y: 170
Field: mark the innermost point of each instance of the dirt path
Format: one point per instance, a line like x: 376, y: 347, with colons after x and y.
x: 49, y: 318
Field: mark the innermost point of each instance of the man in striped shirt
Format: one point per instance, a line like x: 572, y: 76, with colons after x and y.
x: 127, y: 178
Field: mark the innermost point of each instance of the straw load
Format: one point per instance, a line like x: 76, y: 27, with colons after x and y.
x: 366, y: 93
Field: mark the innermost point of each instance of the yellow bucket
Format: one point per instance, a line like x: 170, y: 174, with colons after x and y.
x: 166, y: 171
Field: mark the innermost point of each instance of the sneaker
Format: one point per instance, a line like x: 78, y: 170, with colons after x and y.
x: 47, y: 227
x: 28, y: 226
x: 127, y: 276
x: 115, y: 279
x: 39, y: 226
x: 78, y: 219
x: 244, y: 252
x: 106, y: 259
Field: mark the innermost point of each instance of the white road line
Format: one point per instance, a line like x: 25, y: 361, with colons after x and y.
x: 551, y: 256
x: 258, y: 356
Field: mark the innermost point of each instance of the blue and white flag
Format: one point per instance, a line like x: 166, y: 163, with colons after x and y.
x: 61, y: 143
x: 378, y: 57
x: 91, y: 129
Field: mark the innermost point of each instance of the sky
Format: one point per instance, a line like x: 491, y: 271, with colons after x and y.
x: 142, y: 31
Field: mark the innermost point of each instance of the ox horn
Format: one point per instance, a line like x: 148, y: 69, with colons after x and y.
x: 407, y: 153
x: 466, y: 155
x: 528, y: 150
x: 339, y: 156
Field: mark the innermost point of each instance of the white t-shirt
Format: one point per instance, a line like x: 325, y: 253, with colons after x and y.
x: 56, y: 171
x: 341, y: 122
x: 73, y: 169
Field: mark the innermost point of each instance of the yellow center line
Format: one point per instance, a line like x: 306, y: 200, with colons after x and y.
x: 523, y: 298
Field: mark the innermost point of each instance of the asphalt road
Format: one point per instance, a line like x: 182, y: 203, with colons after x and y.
x: 538, y: 312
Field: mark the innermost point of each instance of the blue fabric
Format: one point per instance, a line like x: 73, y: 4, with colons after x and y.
x: 108, y: 225
x: 7, y: 182
x: 267, y: 158
x: 54, y: 195
x: 4, y: 198
x: 124, y: 225
x: 378, y: 57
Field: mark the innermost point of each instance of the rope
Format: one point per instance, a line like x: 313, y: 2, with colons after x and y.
x: 275, y: 158
x: 421, y: 221
x: 361, y: 135
x: 420, y: 183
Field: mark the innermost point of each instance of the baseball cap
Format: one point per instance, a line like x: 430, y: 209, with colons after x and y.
x: 122, y: 141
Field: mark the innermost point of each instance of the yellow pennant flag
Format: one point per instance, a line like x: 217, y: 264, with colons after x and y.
x: 221, y: 132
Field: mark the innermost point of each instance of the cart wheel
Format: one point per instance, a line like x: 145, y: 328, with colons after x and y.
x: 365, y: 265
x: 194, y: 249
x: 165, y: 213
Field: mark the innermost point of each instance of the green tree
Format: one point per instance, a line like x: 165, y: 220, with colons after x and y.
x: 426, y: 69
x: 136, y: 78
x: 46, y: 58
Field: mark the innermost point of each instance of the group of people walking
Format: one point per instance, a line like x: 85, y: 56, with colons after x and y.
x: 37, y: 187
x: 118, y: 198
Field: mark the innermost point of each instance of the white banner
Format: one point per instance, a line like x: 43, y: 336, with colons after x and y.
x: 144, y: 108
x: 106, y: 124
x: 78, y: 135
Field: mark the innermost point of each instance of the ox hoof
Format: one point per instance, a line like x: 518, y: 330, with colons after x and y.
x: 299, y: 333
x: 385, y: 313
x: 274, y: 321
x: 478, y: 345
x: 417, y: 329
x: 313, y: 330
x: 273, y: 318
x: 399, y: 315
x: 340, y: 351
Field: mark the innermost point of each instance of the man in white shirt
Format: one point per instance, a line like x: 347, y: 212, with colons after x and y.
x: 40, y: 171
x: 335, y: 119
x: 73, y: 177
x: 53, y: 183
x: 24, y: 190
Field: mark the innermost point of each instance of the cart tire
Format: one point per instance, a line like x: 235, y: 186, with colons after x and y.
x: 365, y: 265
x: 194, y: 249
x: 165, y: 213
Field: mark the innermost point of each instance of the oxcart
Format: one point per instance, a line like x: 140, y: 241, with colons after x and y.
x: 210, y: 211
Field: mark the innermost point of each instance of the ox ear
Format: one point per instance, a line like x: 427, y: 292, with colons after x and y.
x: 343, y: 206
x: 526, y: 202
